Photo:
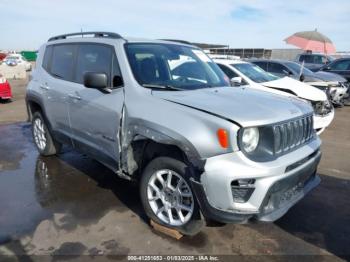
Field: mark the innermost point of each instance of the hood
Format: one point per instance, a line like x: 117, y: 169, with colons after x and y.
x: 245, y: 106
x: 329, y: 77
x: 301, y: 89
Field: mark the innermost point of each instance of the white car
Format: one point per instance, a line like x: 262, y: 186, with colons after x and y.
x: 20, y: 60
x: 247, y: 74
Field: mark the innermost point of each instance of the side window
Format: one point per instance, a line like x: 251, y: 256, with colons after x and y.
x: 47, y: 58
x: 62, y: 61
x: 306, y: 58
x: 262, y: 65
x: 93, y: 58
x: 230, y: 73
x: 319, y: 59
x: 324, y: 60
x: 277, y: 68
x: 341, y: 65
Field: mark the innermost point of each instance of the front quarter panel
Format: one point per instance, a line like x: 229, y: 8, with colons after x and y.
x: 194, y: 131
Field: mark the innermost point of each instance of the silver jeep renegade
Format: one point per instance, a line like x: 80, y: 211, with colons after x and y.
x: 163, y: 114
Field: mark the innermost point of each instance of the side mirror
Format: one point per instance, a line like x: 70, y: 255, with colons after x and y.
x: 236, y: 81
x: 327, y: 68
x: 95, y: 80
x: 302, y: 78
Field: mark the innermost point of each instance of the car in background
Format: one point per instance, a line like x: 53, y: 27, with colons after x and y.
x: 18, y: 59
x: 334, y: 85
x: 2, y: 57
x: 5, y: 89
x: 314, y: 61
x: 243, y: 73
x: 340, y: 66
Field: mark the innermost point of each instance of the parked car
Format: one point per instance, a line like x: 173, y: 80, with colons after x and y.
x: 10, y: 61
x: 334, y: 85
x: 5, y: 89
x: 339, y: 66
x: 243, y: 73
x: 2, y: 57
x: 314, y: 61
x: 18, y: 59
x: 196, y: 146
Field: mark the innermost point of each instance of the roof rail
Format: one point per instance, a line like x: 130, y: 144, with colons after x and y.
x: 82, y: 34
x: 178, y: 41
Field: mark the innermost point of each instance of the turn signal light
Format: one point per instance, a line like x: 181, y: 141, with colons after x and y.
x: 223, y: 137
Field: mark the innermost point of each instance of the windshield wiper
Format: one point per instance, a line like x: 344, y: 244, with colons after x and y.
x: 166, y: 87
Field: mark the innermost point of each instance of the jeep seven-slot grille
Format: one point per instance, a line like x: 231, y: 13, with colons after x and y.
x: 292, y: 134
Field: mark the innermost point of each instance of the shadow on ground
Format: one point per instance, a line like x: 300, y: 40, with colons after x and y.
x: 323, y: 217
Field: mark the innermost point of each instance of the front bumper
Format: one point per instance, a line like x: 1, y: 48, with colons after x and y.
x: 321, y: 122
x: 278, y: 185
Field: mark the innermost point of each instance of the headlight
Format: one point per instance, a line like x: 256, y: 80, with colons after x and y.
x: 250, y: 139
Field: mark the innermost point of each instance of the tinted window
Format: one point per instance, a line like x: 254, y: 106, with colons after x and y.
x: 228, y: 71
x: 277, y: 68
x: 93, y: 58
x: 262, y: 65
x: 306, y: 58
x: 341, y: 65
x: 47, y: 57
x: 62, y: 61
x: 318, y: 59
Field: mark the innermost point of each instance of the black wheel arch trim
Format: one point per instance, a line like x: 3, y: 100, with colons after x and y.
x: 163, y: 135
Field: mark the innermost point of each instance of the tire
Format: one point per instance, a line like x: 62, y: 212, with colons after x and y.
x: 42, y: 138
x: 158, y: 197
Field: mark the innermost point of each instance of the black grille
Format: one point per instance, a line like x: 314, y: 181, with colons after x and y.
x: 292, y: 134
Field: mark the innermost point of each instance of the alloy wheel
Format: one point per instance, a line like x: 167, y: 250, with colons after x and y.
x: 170, y: 197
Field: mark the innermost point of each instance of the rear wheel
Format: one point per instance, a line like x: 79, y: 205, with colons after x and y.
x: 167, y: 196
x: 43, y: 140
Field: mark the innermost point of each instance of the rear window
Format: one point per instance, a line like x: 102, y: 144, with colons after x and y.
x: 47, y: 58
x: 63, y: 61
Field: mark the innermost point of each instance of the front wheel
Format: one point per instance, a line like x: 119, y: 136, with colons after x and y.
x: 167, y: 196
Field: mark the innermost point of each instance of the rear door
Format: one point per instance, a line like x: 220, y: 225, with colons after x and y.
x: 56, y: 84
x: 95, y: 115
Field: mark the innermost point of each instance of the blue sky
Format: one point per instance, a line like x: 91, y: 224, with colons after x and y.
x: 238, y: 23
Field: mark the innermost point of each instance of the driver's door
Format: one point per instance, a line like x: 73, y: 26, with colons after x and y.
x: 95, y: 115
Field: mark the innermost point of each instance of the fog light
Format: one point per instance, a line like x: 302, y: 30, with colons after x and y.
x: 242, y: 189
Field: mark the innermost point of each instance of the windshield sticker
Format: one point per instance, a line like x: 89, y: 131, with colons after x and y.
x: 201, y: 55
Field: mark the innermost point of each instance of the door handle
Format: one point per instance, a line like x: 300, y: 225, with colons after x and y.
x: 74, y: 97
x: 45, y: 87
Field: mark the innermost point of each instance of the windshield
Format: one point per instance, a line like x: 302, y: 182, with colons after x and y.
x: 254, y: 72
x: 175, y: 66
x: 297, y: 67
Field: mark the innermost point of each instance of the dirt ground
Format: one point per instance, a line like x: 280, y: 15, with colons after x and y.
x: 72, y: 205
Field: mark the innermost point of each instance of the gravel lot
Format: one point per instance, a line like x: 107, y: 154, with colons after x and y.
x: 72, y: 205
